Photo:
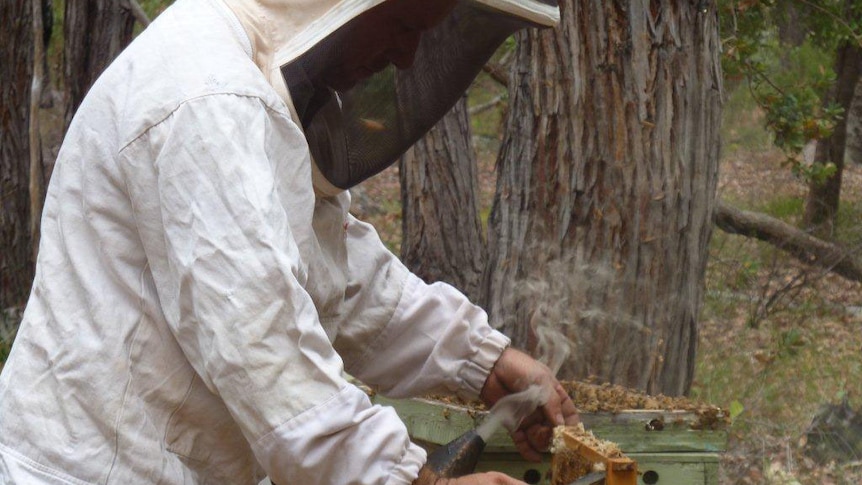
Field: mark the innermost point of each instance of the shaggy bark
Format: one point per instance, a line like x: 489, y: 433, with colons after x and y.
x: 854, y: 128
x: 497, y: 73
x: 95, y: 33
x: 36, y: 186
x: 799, y: 243
x: 16, y: 71
x: 442, y: 232
x: 603, y: 208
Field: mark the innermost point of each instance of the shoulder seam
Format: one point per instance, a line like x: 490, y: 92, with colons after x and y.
x: 267, y: 106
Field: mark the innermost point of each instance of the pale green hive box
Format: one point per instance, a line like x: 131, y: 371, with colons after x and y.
x: 668, y: 446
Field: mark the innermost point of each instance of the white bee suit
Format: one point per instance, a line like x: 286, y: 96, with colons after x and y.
x: 195, y: 303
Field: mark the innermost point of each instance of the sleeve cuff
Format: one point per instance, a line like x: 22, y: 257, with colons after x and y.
x: 406, y: 472
x: 475, y: 371
x: 437, y: 341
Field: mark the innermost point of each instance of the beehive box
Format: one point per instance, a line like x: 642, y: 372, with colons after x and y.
x: 676, y: 446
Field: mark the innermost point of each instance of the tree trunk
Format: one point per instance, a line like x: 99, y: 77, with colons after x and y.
x: 442, y: 232
x: 606, y: 185
x: 36, y: 185
x: 95, y: 33
x: 821, y: 204
x: 791, y: 25
x: 854, y: 128
x: 16, y: 71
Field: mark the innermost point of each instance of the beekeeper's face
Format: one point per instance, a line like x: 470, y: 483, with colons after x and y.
x: 386, y: 34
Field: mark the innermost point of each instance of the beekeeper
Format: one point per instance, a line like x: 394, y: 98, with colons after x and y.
x: 201, y: 289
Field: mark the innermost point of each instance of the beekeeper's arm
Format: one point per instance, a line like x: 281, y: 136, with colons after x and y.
x: 231, y: 287
x: 406, y: 338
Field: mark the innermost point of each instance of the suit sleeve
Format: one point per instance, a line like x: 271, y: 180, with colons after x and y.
x: 405, y: 337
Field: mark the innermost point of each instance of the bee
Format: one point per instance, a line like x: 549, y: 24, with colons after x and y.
x: 372, y: 125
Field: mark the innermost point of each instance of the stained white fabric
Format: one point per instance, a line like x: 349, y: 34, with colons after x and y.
x: 195, y: 304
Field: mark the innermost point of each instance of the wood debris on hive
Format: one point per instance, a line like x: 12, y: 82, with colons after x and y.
x: 577, y: 452
x: 609, y: 398
x: 594, y: 398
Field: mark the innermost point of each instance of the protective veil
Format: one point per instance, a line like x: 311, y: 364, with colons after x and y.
x: 356, y: 134
x: 197, y: 302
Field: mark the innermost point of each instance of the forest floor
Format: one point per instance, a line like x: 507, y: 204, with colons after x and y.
x: 779, y: 340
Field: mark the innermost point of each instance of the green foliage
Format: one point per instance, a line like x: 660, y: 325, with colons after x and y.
x: 55, y: 44
x: 783, y: 207
x: 848, y: 230
x: 743, y: 128
x: 154, y: 7
x: 746, y: 275
x: 832, y: 22
x: 793, y: 115
x: 8, y: 328
x: 736, y: 408
x: 790, y: 83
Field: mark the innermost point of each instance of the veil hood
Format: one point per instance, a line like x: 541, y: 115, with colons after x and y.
x: 357, y: 133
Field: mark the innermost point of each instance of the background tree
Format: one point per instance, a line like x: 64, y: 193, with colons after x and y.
x: 790, y: 22
x: 95, y: 32
x: 824, y: 195
x: 442, y: 237
x: 16, y: 71
x: 854, y: 128
x: 605, y: 188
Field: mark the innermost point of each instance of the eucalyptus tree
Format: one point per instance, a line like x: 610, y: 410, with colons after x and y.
x: 16, y: 71
x: 606, y: 187
x: 443, y: 239
x: 95, y: 32
x: 603, y: 208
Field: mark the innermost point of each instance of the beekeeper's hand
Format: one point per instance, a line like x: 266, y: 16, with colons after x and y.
x: 513, y: 372
x: 427, y: 477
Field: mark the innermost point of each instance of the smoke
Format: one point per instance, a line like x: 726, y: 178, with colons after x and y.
x: 510, y: 410
x: 572, y: 307
x: 582, y: 318
x: 553, y: 348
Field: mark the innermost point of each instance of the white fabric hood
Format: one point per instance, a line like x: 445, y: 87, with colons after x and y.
x: 282, y: 30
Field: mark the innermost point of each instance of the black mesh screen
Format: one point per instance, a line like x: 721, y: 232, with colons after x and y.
x: 358, y: 133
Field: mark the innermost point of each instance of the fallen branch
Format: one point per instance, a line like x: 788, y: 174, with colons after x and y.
x: 800, y: 244
x: 486, y: 106
x: 497, y: 73
x: 137, y: 11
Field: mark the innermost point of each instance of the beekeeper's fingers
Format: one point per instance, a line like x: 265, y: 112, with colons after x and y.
x: 560, y: 410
